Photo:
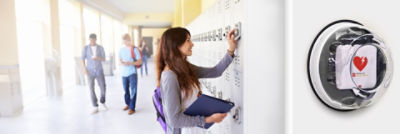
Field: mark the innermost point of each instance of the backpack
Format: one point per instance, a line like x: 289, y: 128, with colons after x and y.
x: 133, y: 56
x: 158, y: 105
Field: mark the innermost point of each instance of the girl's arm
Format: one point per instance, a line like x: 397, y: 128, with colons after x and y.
x: 217, y: 70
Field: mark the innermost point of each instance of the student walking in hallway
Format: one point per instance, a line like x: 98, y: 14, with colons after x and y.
x: 145, y: 51
x: 94, y: 55
x: 130, y: 58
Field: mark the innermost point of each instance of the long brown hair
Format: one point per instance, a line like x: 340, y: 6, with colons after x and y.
x: 169, y: 54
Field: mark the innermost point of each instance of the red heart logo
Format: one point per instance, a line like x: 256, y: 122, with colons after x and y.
x: 360, y: 62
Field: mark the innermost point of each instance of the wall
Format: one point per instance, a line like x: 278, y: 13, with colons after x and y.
x: 190, y: 10
x: 185, y: 11
x: 105, y: 7
x: 263, y: 92
x: 205, y: 4
x: 149, y: 19
x: 177, y: 20
x: 305, y: 112
x: 156, y: 33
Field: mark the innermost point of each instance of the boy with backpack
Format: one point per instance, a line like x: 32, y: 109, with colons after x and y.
x: 130, y: 58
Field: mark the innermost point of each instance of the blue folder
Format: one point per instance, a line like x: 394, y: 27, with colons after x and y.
x: 206, y: 105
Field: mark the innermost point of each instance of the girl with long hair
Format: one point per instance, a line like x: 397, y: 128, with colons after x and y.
x: 179, y: 80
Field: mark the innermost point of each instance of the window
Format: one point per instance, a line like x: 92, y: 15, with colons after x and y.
x: 91, y: 20
x: 70, y: 40
x: 33, y: 33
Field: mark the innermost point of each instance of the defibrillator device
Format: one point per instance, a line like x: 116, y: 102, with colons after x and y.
x: 349, y: 67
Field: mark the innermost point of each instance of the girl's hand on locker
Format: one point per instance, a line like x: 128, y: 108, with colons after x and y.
x: 217, y: 117
x: 231, y: 40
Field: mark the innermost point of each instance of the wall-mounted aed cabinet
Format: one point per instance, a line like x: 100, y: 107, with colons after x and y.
x: 349, y: 66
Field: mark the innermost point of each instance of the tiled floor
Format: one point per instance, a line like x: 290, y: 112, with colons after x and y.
x: 70, y: 114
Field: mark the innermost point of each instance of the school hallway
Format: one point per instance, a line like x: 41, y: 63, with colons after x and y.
x: 71, y: 113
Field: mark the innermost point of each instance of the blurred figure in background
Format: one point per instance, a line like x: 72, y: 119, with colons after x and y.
x: 145, y: 52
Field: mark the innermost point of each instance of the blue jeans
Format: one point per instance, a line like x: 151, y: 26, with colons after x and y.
x: 144, y: 65
x: 130, y: 95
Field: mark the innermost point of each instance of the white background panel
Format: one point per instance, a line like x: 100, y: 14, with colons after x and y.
x: 307, y: 114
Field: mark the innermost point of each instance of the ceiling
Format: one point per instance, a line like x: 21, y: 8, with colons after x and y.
x: 144, y: 6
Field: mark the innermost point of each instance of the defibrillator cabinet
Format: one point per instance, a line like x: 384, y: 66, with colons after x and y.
x: 349, y: 66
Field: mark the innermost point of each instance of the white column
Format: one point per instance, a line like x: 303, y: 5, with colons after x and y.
x: 80, y: 76
x: 10, y: 91
x: 53, y: 60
